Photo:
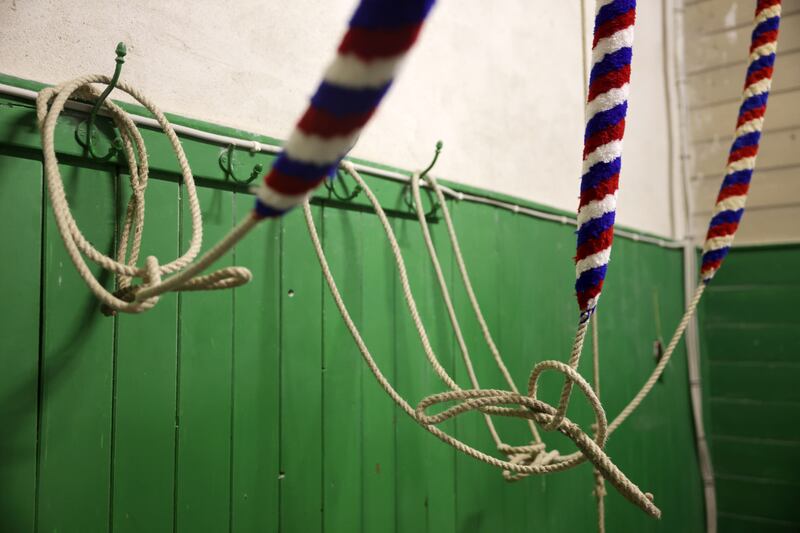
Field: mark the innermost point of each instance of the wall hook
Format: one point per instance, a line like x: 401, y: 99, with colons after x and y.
x: 228, y: 165
x: 347, y: 195
x: 439, y: 145
x: 434, y: 205
x: 88, y: 137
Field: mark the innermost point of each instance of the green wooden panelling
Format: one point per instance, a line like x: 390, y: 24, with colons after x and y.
x: 758, y: 498
x: 746, y: 343
x: 773, y: 305
x: 424, y: 502
x: 760, y: 265
x: 379, y: 415
x: 756, y: 381
x: 77, y: 366
x: 21, y: 240
x: 205, y: 374
x: 255, y: 457
x: 750, y: 332
x: 251, y: 410
x: 496, y: 289
x: 144, y: 385
x: 301, y: 487
x: 736, y: 523
x: 728, y: 416
x: 341, y: 376
x: 756, y: 458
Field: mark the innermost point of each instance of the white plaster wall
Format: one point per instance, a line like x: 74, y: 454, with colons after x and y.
x: 501, y: 82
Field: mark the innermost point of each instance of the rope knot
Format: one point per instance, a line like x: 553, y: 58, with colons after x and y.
x: 521, y: 455
x: 126, y: 294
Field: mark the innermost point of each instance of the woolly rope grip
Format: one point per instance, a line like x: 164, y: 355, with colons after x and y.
x: 732, y: 195
x: 381, y: 33
x: 606, y: 107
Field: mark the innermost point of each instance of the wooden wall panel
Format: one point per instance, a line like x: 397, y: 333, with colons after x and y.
x: 250, y: 410
x: 21, y: 216
x: 145, y: 383
x: 750, y: 328
x: 255, y: 460
x: 205, y: 375
x: 75, y: 438
x: 301, y: 467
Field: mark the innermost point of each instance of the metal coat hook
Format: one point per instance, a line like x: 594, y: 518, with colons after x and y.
x: 339, y: 177
x: 439, y: 145
x: 226, y: 162
x: 87, y: 139
x: 434, y: 205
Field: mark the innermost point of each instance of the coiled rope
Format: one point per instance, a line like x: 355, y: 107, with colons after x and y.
x: 127, y: 298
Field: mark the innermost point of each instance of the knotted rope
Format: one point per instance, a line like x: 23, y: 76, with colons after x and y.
x: 128, y: 298
x: 516, y: 454
x: 487, y: 401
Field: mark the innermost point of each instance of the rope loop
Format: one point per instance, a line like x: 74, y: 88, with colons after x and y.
x: 127, y: 297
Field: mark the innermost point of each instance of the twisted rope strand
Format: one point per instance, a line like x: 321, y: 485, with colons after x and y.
x: 599, y: 482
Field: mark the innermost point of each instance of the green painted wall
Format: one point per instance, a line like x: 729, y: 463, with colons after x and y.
x: 750, y: 329
x: 250, y: 410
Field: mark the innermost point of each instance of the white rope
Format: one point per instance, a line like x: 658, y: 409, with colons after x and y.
x: 488, y: 401
x: 129, y: 298
x: 599, y: 482
x: 523, y: 454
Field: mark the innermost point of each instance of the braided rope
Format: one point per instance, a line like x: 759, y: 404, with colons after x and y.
x: 381, y: 33
x: 606, y: 108
x: 733, y: 191
x: 732, y: 195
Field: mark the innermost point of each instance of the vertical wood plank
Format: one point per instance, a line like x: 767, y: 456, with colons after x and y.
x: 426, y: 472
x: 341, y: 376
x: 202, y: 499
x: 511, y: 310
x: 144, y: 409
x: 21, y: 216
x: 256, y: 375
x: 477, y: 510
x: 410, y: 369
x: 75, y: 429
x: 301, y: 381
x: 750, y: 328
x: 378, y: 410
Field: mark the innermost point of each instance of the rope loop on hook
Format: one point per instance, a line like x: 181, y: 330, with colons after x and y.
x: 129, y: 297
